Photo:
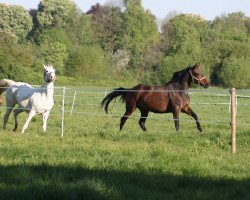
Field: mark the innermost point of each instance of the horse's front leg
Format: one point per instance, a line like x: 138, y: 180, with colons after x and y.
x: 45, y: 119
x: 31, y: 114
x: 190, y: 112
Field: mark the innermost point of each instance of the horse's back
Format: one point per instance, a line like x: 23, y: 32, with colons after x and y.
x: 19, y: 92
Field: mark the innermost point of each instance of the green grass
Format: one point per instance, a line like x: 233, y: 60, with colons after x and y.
x: 95, y: 160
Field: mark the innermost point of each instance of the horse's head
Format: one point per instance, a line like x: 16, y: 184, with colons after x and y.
x: 197, y: 76
x: 49, y: 74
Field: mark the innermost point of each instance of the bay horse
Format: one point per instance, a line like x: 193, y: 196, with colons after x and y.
x: 31, y: 100
x: 170, y: 98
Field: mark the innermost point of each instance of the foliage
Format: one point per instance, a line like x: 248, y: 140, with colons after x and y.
x: 54, y: 13
x: 54, y: 35
x: 235, y: 72
x: 121, y: 59
x: 15, y: 22
x: 140, y: 32
x: 108, y: 26
x: 80, y: 31
x: 92, y: 67
x: 185, y: 33
x: 55, y: 53
x: 121, y: 40
x: 231, y: 26
x: 172, y: 64
x: 20, y: 63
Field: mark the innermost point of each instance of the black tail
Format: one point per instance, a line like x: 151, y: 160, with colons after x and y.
x: 117, y: 92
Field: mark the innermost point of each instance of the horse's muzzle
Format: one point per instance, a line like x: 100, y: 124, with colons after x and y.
x: 206, y: 85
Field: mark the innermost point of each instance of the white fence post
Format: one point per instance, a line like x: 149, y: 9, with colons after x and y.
x: 63, y: 100
x: 233, y: 119
x: 106, y: 91
x: 73, y: 103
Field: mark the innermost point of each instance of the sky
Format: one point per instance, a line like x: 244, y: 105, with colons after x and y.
x: 208, y: 9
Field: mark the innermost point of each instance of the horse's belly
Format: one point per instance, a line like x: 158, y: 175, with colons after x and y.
x: 156, y: 105
x: 159, y: 109
x: 24, y: 104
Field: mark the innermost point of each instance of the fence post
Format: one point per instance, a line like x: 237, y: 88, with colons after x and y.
x: 106, y: 91
x: 233, y: 119
x: 73, y: 103
x: 63, y: 99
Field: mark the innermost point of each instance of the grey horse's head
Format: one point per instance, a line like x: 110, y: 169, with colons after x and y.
x: 49, y: 74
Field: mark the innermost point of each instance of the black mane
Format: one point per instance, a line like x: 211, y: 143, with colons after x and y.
x: 177, y: 76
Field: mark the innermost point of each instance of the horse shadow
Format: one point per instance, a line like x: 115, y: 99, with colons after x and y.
x: 77, y: 182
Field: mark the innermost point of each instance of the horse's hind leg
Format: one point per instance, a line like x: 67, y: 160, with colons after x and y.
x: 190, y: 112
x: 143, y: 118
x: 6, y: 116
x: 10, y: 104
x: 16, y: 112
x: 176, y: 119
x: 129, y: 111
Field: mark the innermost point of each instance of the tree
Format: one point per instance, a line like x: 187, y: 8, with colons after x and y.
x: 15, y: 23
x: 247, y: 23
x: 55, y: 53
x: 54, y: 13
x: 231, y: 26
x: 87, y: 61
x: 80, y: 30
x: 53, y: 35
x: 140, y: 32
x: 182, y: 37
x: 234, y: 72
x: 183, y: 33
x: 107, y: 23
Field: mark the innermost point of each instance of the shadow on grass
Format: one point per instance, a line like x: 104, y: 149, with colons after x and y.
x: 62, y: 182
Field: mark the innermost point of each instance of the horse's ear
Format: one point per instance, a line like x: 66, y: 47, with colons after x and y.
x: 196, y: 65
x: 44, y: 66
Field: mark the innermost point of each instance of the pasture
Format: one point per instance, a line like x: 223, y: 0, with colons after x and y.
x: 94, y: 160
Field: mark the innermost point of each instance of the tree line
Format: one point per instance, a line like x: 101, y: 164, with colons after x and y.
x: 121, y: 40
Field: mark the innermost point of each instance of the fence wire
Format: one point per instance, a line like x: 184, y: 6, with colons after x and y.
x: 206, y: 103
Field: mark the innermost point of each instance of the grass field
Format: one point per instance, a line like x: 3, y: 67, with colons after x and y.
x: 94, y: 160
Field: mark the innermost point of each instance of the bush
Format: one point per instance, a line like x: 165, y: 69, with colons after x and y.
x: 87, y: 61
x: 55, y: 53
x: 20, y: 63
x: 172, y: 64
x: 235, y: 72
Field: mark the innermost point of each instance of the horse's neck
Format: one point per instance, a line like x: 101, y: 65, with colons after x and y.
x: 48, y: 89
x: 185, y: 82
